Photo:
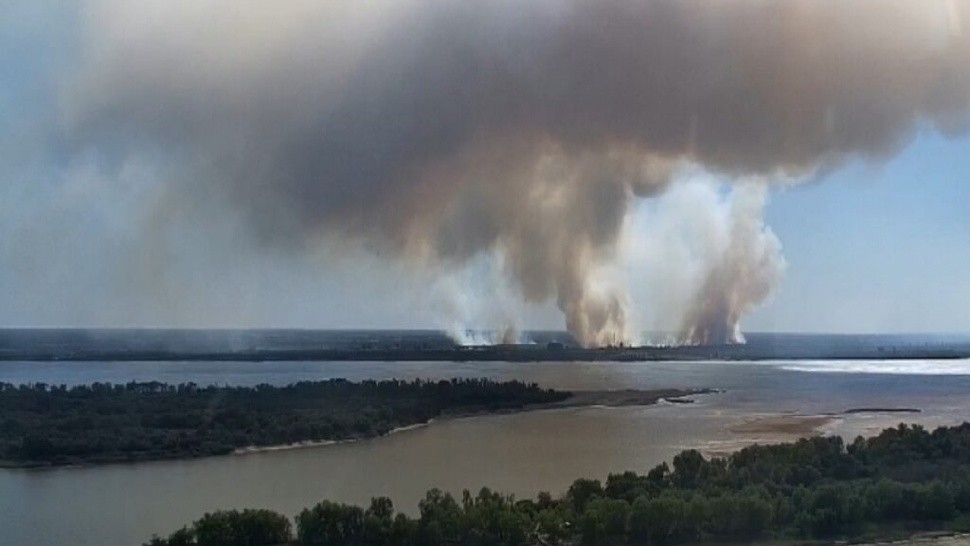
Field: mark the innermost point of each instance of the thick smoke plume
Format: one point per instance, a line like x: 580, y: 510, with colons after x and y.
x: 433, y: 132
x: 742, y: 275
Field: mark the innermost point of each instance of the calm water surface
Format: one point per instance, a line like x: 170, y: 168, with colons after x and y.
x: 521, y: 454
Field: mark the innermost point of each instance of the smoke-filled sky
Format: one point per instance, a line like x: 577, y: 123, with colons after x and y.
x: 609, y: 167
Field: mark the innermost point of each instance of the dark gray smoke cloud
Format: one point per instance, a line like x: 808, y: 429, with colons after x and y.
x: 435, y: 131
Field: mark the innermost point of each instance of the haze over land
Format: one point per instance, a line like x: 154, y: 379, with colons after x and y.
x: 612, y: 159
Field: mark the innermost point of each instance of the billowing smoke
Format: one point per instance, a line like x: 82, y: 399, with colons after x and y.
x: 434, y: 132
x: 700, y: 257
x: 742, y: 275
x: 474, y: 305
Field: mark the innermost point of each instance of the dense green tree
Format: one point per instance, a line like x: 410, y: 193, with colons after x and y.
x: 242, y: 528
x: 441, y: 519
x: 603, y: 520
x: 330, y: 524
x: 403, y: 531
x: 43, y: 425
x: 582, y: 491
x: 379, y: 522
x: 663, y: 519
x: 738, y: 515
x: 935, y: 501
x: 688, y: 468
x: 232, y: 528
x: 628, y: 486
x: 493, y: 519
x: 553, y: 525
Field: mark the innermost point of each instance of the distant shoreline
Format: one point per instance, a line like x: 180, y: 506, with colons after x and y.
x: 273, y: 345
x: 502, y: 353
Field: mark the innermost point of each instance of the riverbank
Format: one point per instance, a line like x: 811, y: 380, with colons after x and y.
x: 578, y: 399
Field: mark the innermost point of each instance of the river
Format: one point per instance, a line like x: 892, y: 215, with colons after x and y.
x: 124, y: 504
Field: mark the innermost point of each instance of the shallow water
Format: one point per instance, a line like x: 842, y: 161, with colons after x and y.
x: 521, y: 453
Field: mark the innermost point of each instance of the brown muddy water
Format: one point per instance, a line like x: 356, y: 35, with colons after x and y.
x: 524, y: 453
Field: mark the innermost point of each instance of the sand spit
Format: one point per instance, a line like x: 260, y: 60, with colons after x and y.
x: 796, y: 424
x: 320, y: 443
x: 577, y: 399
x: 785, y: 425
x: 601, y: 398
x: 774, y: 428
x: 938, y: 538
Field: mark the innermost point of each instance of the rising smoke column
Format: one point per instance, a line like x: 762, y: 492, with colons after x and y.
x: 741, y: 276
x: 433, y: 132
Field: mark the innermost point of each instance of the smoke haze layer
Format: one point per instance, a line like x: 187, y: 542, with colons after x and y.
x: 432, y: 133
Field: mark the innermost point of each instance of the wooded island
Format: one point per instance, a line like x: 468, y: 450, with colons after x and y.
x: 43, y: 425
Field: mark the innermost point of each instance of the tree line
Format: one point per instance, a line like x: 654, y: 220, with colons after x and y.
x: 44, y: 425
x: 904, y: 479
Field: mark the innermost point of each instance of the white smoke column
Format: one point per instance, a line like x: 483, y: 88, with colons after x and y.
x: 474, y: 304
x: 743, y: 276
x: 469, y: 337
x: 698, y: 257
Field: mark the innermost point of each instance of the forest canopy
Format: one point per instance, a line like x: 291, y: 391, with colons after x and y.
x: 56, y: 425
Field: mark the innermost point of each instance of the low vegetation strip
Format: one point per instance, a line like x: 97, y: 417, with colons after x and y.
x: 42, y: 425
x: 903, y: 481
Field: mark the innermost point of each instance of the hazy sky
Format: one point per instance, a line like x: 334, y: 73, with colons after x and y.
x: 869, y: 246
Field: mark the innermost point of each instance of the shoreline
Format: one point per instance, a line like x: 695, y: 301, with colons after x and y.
x: 309, y: 444
x: 577, y: 399
x: 504, y: 353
